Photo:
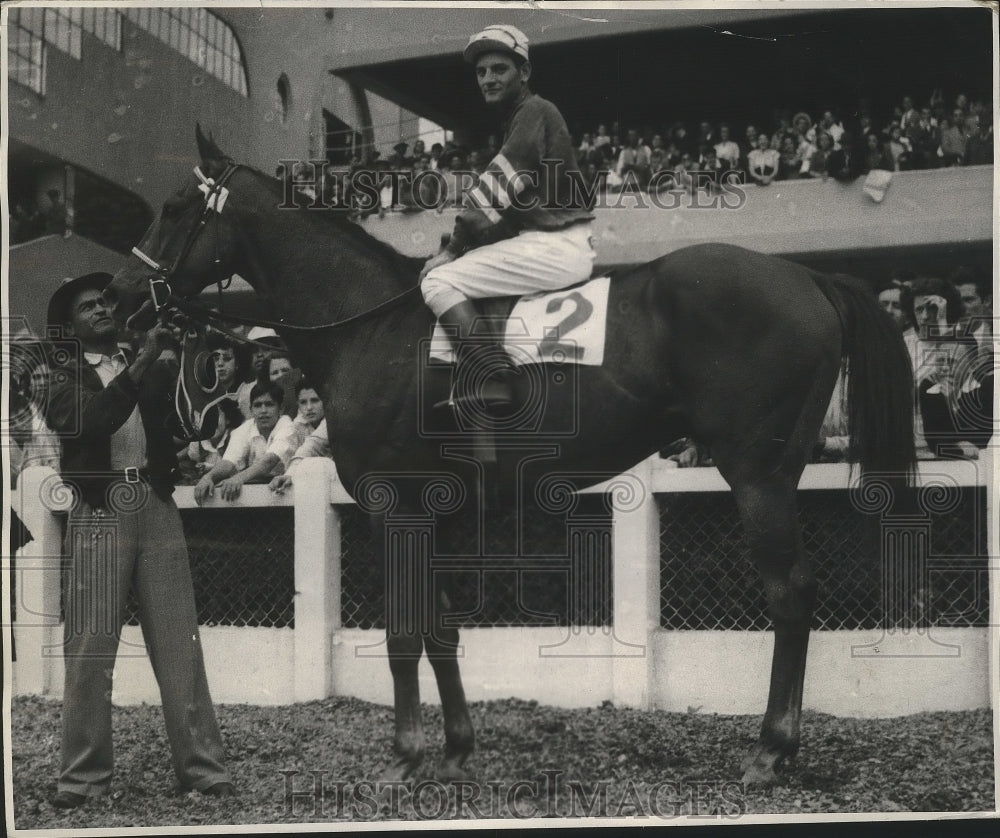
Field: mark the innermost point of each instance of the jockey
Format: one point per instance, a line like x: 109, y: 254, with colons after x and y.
x: 526, y: 226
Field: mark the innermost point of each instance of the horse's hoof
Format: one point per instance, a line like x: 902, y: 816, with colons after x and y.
x: 452, y: 771
x: 401, y: 770
x: 759, y: 767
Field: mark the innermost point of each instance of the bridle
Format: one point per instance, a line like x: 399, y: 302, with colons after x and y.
x: 164, y: 299
x: 166, y: 302
x: 215, y: 193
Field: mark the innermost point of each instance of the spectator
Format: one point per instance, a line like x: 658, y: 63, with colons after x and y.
x: 309, y: 413
x: 228, y: 371
x: 749, y: 143
x: 977, y: 302
x: 437, y: 151
x: 763, y: 163
x: 908, y: 113
x: 834, y: 440
x: 706, y: 134
x: 682, y: 140
x: 803, y: 128
x: 258, y: 450
x: 686, y: 173
x: 726, y: 150
x: 601, y: 137
x: 865, y: 129
x: 845, y: 163
x: 789, y: 162
x: 279, y: 366
x: 924, y: 140
x: 659, y: 158
x: 317, y: 444
x: 876, y: 157
x: 586, y: 145
x: 399, y: 159
x: 889, y: 300
x: 266, y: 342
x: 476, y: 163
x: 55, y: 215
x: 634, y: 159
x: 418, y: 149
x: 952, y: 150
x: 32, y: 442
x: 828, y: 124
x: 942, y: 367
x: 899, y: 149
x: 979, y: 142
x: 820, y: 159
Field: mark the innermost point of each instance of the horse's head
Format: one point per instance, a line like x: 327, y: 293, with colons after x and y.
x: 189, y: 246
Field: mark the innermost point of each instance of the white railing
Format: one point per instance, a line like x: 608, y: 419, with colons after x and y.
x: 634, y: 662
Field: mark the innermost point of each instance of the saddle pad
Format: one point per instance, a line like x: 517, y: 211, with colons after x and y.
x: 566, y: 326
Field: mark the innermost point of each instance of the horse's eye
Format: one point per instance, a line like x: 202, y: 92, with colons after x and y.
x: 171, y: 209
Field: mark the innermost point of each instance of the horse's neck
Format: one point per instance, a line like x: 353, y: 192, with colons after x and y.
x: 309, y: 271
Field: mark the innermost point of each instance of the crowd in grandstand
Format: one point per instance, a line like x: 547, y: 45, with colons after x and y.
x: 934, y: 134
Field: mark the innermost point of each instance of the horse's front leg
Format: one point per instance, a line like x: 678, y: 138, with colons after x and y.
x: 405, y: 645
x: 441, y: 645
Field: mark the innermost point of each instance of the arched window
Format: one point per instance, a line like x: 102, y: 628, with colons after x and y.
x: 284, y: 96
x: 201, y: 36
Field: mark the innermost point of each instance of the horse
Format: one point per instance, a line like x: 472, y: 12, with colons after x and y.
x: 735, y: 349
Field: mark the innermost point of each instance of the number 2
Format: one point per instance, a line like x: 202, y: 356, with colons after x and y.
x: 550, y: 344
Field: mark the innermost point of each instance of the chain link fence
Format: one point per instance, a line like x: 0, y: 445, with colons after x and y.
x: 242, y: 566
x: 526, y: 568
x: 708, y: 582
x: 533, y: 569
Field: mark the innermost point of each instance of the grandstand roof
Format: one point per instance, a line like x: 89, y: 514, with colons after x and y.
x: 645, y: 66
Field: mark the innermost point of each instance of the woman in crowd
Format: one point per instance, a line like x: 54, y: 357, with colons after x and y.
x: 763, y: 162
x: 876, y: 156
x: 789, y: 162
x: 818, y: 162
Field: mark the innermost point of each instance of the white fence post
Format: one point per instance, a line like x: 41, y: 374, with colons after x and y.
x: 636, y: 553
x: 38, y: 567
x: 317, y: 578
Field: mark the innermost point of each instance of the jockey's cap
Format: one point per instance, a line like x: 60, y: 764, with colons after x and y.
x: 497, y: 38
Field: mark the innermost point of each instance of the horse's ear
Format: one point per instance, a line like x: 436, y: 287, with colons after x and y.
x: 207, y: 148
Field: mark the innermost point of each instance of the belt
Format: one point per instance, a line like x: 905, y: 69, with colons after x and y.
x: 134, y: 474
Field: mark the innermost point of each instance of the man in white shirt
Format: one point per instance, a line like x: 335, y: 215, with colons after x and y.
x: 258, y: 450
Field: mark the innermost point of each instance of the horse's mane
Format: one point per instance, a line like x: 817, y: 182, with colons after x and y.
x: 406, y: 266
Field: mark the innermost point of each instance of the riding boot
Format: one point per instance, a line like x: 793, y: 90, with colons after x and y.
x: 482, y: 366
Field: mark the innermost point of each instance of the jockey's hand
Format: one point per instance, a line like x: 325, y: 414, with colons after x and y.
x: 204, y: 488
x: 280, y: 483
x: 230, y: 488
x: 442, y: 258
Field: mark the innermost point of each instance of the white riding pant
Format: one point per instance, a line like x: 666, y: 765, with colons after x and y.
x: 534, y: 260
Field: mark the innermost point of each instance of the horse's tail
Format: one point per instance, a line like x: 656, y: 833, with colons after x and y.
x: 879, y: 381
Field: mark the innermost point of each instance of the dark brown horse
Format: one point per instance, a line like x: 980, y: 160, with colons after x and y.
x: 735, y: 349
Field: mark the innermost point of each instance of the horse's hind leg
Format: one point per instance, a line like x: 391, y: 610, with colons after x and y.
x: 441, y: 646
x: 768, y: 511
x: 764, y: 474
